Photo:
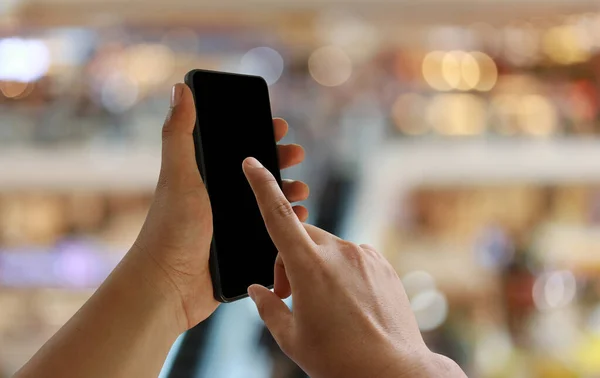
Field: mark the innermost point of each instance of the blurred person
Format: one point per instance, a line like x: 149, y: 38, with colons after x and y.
x: 351, y: 316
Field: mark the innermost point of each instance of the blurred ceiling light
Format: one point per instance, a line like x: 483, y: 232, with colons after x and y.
x: 488, y: 72
x: 149, y: 64
x: 432, y: 71
x: 330, y: 66
x: 119, y: 93
x: 460, y: 70
x: 263, y: 61
x: 407, y: 114
x: 537, y: 115
x: 470, y: 72
x: 451, y: 69
x: 23, y: 60
x: 457, y: 114
x: 417, y: 282
x: 16, y: 90
x: 563, y: 45
x: 430, y: 308
x: 554, y: 289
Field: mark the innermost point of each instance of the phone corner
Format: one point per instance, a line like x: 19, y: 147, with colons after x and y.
x: 188, y: 78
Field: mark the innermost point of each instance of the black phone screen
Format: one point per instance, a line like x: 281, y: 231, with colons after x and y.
x: 235, y: 122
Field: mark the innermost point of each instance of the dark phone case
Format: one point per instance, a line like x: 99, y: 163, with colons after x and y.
x: 213, y: 261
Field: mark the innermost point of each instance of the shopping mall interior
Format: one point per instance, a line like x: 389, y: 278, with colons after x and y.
x: 458, y: 137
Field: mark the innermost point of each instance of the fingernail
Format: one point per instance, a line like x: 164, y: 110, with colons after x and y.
x: 251, y: 293
x: 176, y: 95
x: 253, y: 163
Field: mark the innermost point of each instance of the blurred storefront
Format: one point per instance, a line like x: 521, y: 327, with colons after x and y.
x: 458, y: 137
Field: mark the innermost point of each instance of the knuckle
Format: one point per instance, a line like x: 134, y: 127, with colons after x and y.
x: 167, y: 131
x: 351, y: 250
x: 282, y: 209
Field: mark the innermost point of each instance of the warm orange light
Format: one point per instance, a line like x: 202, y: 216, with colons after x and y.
x: 457, y: 114
x: 432, y: 71
x: 563, y: 45
x: 488, y: 72
x: 15, y: 90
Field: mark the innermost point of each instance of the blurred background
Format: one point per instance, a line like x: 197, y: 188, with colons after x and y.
x: 459, y: 137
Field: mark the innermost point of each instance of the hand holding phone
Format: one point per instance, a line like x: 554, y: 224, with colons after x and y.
x: 177, y: 233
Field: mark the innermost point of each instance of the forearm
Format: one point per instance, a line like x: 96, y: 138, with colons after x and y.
x: 124, y: 330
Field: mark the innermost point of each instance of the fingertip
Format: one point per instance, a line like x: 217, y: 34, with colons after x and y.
x: 280, y: 127
x: 176, y: 93
x: 290, y: 155
x: 182, y: 115
x: 301, y: 213
x: 252, y: 292
x: 251, y: 162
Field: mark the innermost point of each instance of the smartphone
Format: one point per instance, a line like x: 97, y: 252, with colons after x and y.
x: 233, y: 122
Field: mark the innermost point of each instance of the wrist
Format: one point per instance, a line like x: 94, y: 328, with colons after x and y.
x: 148, y: 278
x: 427, y: 364
x: 421, y: 364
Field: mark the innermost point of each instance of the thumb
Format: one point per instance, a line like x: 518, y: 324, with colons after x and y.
x: 276, y: 315
x: 179, y: 168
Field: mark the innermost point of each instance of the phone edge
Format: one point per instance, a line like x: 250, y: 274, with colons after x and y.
x: 213, y: 263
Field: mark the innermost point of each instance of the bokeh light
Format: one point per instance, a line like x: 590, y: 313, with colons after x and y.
x: 459, y: 70
x: 457, y: 114
x: 15, y: 90
x: 470, y: 72
x: 330, y: 66
x: 263, y: 61
x: 554, y: 289
x: 488, y: 72
x: 430, y: 308
x: 432, y: 71
x: 563, y: 45
x: 537, y: 115
x: 451, y: 69
x: 417, y: 282
x: 23, y: 60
